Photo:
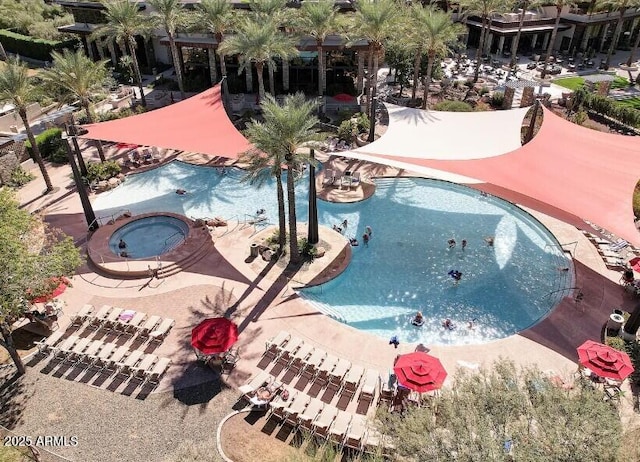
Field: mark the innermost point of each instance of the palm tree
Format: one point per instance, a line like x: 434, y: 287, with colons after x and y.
x: 559, y: 4
x: 78, y: 78
x: 524, y: 4
x: 258, y: 43
x: 17, y: 88
x: 171, y: 15
x: 621, y: 6
x: 375, y: 22
x: 216, y: 17
x: 438, y: 32
x: 124, y: 22
x: 285, y: 129
x: 634, y: 49
x: 319, y: 19
x: 485, y: 9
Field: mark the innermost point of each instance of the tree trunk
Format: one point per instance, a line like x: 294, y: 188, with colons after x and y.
x: 516, y: 40
x: 312, y: 231
x: 136, y: 69
x: 259, y: 70
x: 476, y: 74
x: 614, y: 39
x: 177, y: 65
x: 282, y: 227
x: 634, y: 49
x: 294, y: 252
x: 35, y: 150
x: 369, y: 77
x: 97, y: 143
x: 223, y: 65
x: 374, y: 88
x: 272, y: 80
x: 321, y: 68
x: 427, y: 80
x: 7, y: 343
x: 3, y: 54
x: 633, y: 323
x: 550, y: 46
x: 417, y: 62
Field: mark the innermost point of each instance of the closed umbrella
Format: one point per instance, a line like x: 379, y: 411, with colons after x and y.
x: 344, y: 98
x: 214, y: 335
x: 605, y: 361
x: 419, y: 372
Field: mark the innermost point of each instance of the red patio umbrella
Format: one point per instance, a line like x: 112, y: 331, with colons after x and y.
x: 635, y: 263
x: 214, y: 335
x: 344, y: 97
x: 605, y: 361
x: 420, y: 372
x: 58, y: 290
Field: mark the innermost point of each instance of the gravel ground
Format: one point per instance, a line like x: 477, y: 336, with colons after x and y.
x: 110, y: 426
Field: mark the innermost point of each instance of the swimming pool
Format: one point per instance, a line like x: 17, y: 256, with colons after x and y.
x: 505, y: 288
x: 148, y: 237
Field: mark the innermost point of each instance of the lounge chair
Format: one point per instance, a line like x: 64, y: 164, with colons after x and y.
x: 355, y: 435
x: 78, y: 349
x: 352, y: 377
x: 338, y: 431
x: 81, y: 316
x: 145, y: 366
x: 310, y: 414
x: 325, y: 369
x: 278, y: 405
x: 104, y: 354
x: 338, y: 373
x: 67, y: 345
x: 355, y: 180
x: 298, y: 362
x: 615, y: 263
x: 370, y: 384
x: 297, y: 406
x: 273, y: 348
x: 153, y: 376
x: 112, y: 319
x: 324, y: 421
x: 329, y: 178
x: 345, y: 181
x: 148, y: 326
x: 286, y: 355
x: 126, y: 367
x: 257, y: 381
x: 100, y: 317
x: 161, y: 332
x: 47, y: 344
x: 137, y: 320
x: 112, y: 363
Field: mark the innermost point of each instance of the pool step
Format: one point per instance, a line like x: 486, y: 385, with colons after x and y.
x: 192, y: 259
x: 323, y: 307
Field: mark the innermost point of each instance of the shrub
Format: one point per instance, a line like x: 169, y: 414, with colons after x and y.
x: 484, y: 90
x: 453, y: 106
x: 31, y: 47
x: 97, y: 171
x: 497, y: 99
x: 51, y: 145
x: 580, y: 117
x: 347, y: 130
x: 363, y: 123
x: 482, y: 107
x: 20, y: 177
x: 307, y: 250
x: 616, y: 342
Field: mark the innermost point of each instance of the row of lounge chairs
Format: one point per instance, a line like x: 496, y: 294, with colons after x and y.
x: 121, y: 321
x: 137, y: 157
x: 312, y: 365
x: 610, y: 251
x: 105, y: 356
x: 346, y: 179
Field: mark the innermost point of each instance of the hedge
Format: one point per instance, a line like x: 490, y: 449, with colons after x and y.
x: 30, y: 47
x: 51, y: 146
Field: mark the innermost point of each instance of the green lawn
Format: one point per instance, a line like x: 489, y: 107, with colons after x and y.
x: 573, y: 83
x: 633, y: 103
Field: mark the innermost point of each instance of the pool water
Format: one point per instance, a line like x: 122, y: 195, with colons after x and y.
x: 504, y: 288
x: 149, y: 237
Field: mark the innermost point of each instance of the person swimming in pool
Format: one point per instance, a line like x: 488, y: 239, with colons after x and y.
x: 181, y: 191
x: 452, y: 243
x: 418, y: 319
x: 448, y: 324
x: 122, y: 244
x: 456, y: 275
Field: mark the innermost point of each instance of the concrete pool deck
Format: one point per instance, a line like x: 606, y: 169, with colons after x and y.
x: 262, y: 302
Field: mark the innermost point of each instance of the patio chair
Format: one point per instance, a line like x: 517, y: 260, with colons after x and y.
x: 45, y: 345
x: 126, y: 367
x: 78, y: 349
x: 112, y: 319
x: 230, y: 359
x: 137, y: 320
x: 273, y: 348
x: 370, y: 384
x: 338, y: 431
x: 161, y: 332
x: 90, y: 355
x: 278, y: 406
x: 286, y: 355
x: 345, y: 181
x: 82, y: 315
x: 297, y: 406
x: 310, y: 414
x: 325, y: 369
x: 158, y: 370
x: 64, y: 347
x: 338, y: 373
x: 148, y: 326
x: 386, y: 391
x: 324, y: 421
x: 352, y: 377
x: 614, y: 263
x: 354, y: 438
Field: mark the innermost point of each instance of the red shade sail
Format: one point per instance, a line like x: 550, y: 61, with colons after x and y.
x: 197, y: 124
x: 605, y: 361
x: 419, y: 372
x: 57, y: 290
x: 214, y: 335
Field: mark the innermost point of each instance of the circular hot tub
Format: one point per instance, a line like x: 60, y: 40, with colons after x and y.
x: 148, y: 237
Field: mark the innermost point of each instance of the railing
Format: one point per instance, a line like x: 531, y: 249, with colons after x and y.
x: 108, y: 218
